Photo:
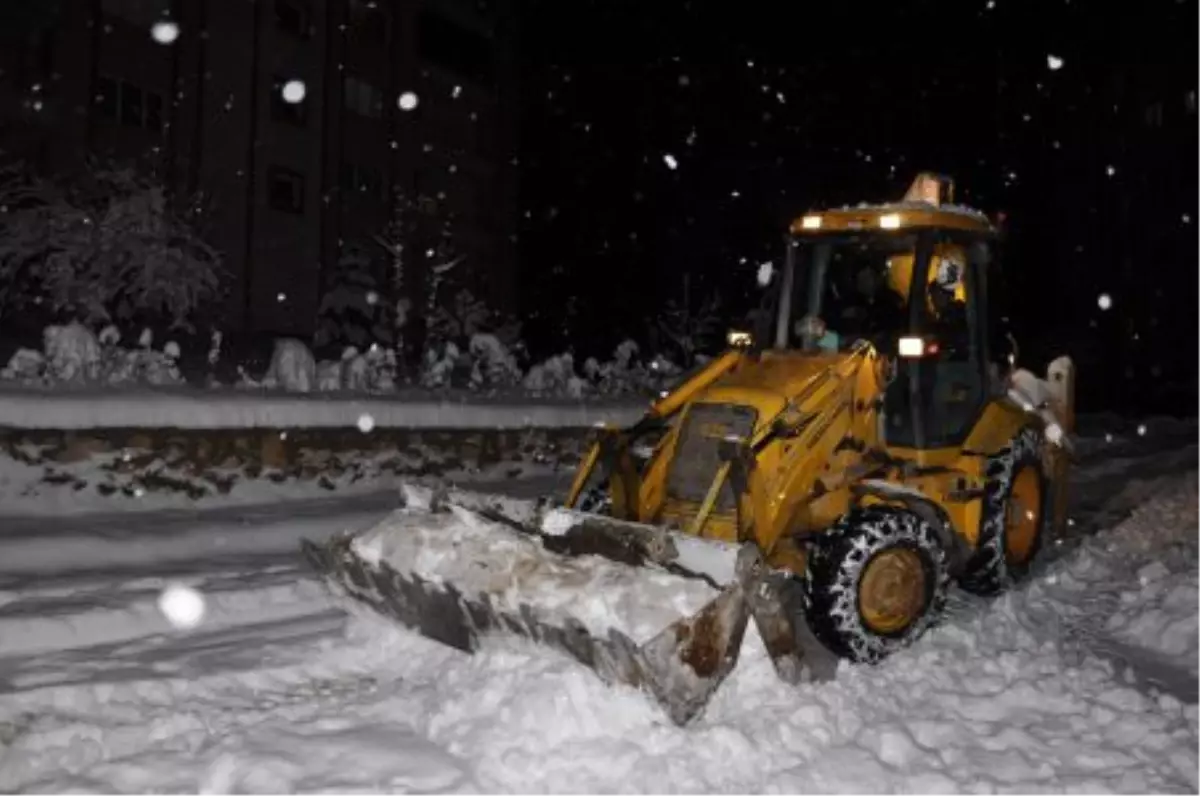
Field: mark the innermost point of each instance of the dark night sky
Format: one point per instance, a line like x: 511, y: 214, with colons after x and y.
x: 768, y: 112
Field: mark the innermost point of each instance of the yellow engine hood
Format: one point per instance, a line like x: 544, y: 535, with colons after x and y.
x: 770, y: 381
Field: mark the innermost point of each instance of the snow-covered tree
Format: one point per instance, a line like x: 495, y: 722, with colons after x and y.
x: 108, y: 248
x: 461, y: 317
x: 689, y: 326
x: 354, y: 310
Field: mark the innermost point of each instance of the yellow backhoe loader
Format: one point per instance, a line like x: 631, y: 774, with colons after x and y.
x: 869, y: 442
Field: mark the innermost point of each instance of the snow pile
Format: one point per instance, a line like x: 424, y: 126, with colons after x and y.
x: 482, y: 558
x: 72, y: 355
x: 1134, y: 585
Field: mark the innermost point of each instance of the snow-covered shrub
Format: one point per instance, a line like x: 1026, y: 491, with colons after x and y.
x: 440, y: 363
x: 381, y: 368
x: 493, y: 365
x: 26, y: 366
x: 293, y: 367
x: 108, y: 248
x: 122, y: 366
x: 624, y: 374
x: 329, y: 375
x: 72, y: 353
x: 555, y: 376
x: 355, y: 371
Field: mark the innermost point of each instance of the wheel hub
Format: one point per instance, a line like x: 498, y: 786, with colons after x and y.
x: 892, y: 590
x: 1023, y: 516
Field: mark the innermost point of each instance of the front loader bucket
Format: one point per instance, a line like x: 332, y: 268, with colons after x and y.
x: 458, y: 577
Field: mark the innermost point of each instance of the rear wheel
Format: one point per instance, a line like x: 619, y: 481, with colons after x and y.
x: 1014, y: 517
x: 876, y: 582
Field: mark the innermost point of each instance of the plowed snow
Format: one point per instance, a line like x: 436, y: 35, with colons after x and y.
x: 278, y: 691
x: 485, y: 558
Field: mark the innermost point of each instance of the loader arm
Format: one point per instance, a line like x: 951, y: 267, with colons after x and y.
x: 611, y: 445
x: 827, y: 441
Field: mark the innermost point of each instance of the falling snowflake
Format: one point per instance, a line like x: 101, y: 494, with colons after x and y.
x: 765, y: 272
x: 1054, y: 63
x: 182, y: 605
x: 684, y: 80
x: 293, y: 91
x: 408, y: 101
x: 1110, y: 170
x: 671, y: 162
x: 164, y: 32
x: 1142, y: 430
x: 282, y: 297
x: 365, y: 423
x: 1187, y: 219
x: 456, y: 92
x: 372, y: 297
x: 1104, y: 302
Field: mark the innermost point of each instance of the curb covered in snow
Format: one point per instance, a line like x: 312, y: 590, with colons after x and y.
x: 208, y: 409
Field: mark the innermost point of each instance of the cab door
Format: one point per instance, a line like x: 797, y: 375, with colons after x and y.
x: 940, y: 390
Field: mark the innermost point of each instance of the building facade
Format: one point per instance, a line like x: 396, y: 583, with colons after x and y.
x: 287, y: 182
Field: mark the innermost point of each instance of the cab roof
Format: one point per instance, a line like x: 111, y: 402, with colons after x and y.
x: 929, y: 203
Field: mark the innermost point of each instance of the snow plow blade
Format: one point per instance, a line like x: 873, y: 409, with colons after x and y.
x: 457, y: 575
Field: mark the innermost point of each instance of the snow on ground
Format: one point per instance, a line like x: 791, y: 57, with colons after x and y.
x: 1065, y: 685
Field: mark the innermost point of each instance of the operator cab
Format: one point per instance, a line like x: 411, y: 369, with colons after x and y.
x: 910, y: 279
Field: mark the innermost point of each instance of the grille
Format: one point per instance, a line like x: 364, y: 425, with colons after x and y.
x: 696, y: 453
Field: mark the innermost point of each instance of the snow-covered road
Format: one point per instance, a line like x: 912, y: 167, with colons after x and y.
x: 280, y: 690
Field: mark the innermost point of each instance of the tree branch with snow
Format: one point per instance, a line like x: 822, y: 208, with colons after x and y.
x: 109, y: 248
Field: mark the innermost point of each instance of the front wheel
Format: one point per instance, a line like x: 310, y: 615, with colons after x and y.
x: 1014, y: 519
x: 875, y: 583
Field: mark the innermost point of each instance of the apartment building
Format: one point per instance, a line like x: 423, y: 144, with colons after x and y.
x: 287, y: 180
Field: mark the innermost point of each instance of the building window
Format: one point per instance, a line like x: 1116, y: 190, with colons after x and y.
x: 121, y: 101
x: 285, y: 189
x: 362, y: 181
x: 295, y: 113
x: 459, y: 49
x: 362, y: 98
x: 294, y: 17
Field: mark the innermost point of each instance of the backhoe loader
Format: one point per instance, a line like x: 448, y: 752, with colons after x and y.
x: 825, y: 480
